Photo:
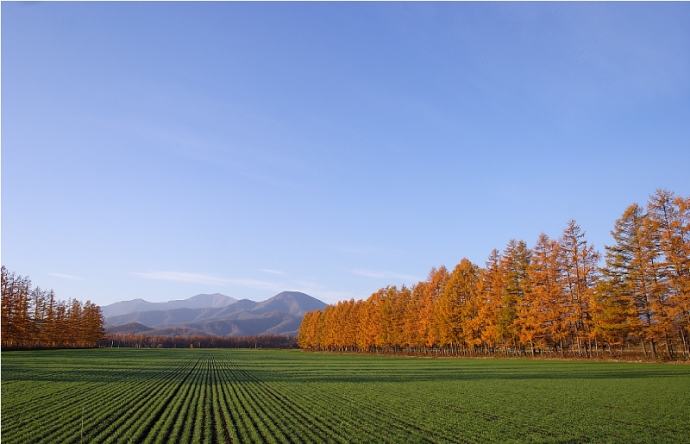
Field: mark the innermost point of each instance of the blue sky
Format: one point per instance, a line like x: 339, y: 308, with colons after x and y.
x: 161, y: 150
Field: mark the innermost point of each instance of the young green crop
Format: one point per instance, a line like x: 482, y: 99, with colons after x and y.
x: 291, y: 396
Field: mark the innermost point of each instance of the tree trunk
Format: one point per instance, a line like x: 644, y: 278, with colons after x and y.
x: 683, y: 341
x: 669, y: 349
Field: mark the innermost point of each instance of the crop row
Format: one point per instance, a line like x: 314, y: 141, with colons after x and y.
x: 220, y: 396
x: 57, y: 415
x: 356, y: 419
x: 210, y: 399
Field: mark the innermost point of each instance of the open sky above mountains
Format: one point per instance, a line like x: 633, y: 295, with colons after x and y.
x: 158, y: 150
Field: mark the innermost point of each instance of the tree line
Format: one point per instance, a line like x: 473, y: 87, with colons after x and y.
x: 555, y: 298
x: 196, y: 341
x: 34, y: 318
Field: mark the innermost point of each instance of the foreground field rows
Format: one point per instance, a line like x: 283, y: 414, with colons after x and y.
x: 218, y: 396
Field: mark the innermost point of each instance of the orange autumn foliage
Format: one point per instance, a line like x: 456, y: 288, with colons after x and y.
x: 554, y: 298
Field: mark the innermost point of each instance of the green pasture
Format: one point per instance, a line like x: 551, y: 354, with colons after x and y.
x: 217, y: 396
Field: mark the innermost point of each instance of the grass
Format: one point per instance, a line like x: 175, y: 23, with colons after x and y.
x: 217, y: 396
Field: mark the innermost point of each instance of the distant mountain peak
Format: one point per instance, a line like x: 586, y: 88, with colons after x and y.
x: 280, y: 314
x: 139, y: 304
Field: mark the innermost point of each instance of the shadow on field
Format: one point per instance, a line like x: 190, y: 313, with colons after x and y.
x: 129, y: 366
x: 91, y: 375
x: 127, y: 376
x: 393, y: 375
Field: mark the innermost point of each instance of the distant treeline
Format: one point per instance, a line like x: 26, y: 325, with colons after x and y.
x: 197, y: 341
x: 553, y: 299
x: 33, y: 318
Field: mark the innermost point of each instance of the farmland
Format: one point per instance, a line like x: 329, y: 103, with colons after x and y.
x: 155, y: 396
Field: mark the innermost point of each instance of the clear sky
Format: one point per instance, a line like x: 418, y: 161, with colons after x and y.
x: 161, y: 150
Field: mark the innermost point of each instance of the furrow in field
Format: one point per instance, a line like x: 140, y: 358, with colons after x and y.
x: 126, y: 413
x: 329, y: 429
x: 396, y: 411
x: 210, y: 423
x: 350, y: 420
x: 297, y: 424
x: 132, y: 415
x: 235, y: 399
x: 50, y: 398
x: 162, y: 429
x: 180, y: 422
x: 222, y: 431
x: 236, y: 415
x: 233, y: 415
x: 70, y: 413
x: 256, y: 432
x: 236, y: 396
x: 262, y: 417
x: 185, y: 422
x: 281, y: 427
x: 36, y: 418
x: 180, y: 370
x: 329, y: 424
x: 200, y: 410
x: 376, y: 418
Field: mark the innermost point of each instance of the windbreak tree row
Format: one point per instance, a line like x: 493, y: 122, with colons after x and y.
x: 172, y: 340
x: 33, y: 318
x: 554, y: 298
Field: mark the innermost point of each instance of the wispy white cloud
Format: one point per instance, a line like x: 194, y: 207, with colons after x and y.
x: 196, y: 278
x: 386, y: 275
x: 68, y: 276
x: 278, y: 272
x: 253, y: 283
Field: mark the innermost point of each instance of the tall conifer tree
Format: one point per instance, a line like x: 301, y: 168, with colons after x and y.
x: 580, y: 272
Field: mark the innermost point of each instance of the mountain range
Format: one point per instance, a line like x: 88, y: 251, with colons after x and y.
x: 198, y: 301
x: 211, y: 314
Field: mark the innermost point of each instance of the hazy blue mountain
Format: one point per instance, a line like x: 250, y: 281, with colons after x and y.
x: 292, y: 302
x: 138, y: 305
x: 133, y: 328
x: 159, y: 318
x: 277, y: 323
x: 281, y: 314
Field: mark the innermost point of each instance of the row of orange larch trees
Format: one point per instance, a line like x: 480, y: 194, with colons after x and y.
x: 554, y: 298
x: 33, y: 318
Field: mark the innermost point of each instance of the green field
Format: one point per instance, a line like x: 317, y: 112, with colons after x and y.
x: 129, y: 395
